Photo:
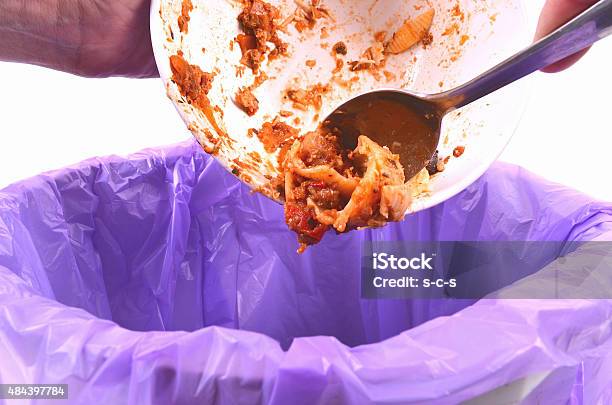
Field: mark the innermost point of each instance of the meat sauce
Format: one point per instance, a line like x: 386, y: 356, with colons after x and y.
x: 193, y: 83
x: 316, y: 149
x: 258, y: 20
x: 275, y: 134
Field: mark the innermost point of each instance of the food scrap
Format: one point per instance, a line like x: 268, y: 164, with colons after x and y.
x: 306, y: 15
x: 458, y: 151
x: 340, y: 48
x: 451, y: 29
x: 427, y: 40
x: 246, y: 100
x: 183, y: 19
x: 339, y: 66
x: 192, y: 82
x: 372, y: 58
x: 412, y: 32
x: 457, y: 12
x: 259, y: 19
x: 274, y: 134
x: 303, y: 99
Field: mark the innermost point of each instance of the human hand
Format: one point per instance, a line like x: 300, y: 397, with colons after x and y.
x: 115, y: 39
x: 92, y: 38
x: 555, y: 14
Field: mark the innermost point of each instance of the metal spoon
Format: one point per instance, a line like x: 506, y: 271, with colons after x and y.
x: 410, y: 124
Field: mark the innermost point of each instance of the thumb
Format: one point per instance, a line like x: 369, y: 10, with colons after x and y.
x: 554, y: 14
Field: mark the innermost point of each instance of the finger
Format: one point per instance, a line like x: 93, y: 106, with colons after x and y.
x: 555, y: 14
x: 565, y: 63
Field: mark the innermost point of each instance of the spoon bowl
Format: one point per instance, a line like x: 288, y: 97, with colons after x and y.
x: 408, y: 124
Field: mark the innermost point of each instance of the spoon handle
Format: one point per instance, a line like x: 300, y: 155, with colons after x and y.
x: 581, y: 32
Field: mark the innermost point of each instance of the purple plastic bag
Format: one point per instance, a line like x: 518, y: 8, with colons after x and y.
x: 161, y: 279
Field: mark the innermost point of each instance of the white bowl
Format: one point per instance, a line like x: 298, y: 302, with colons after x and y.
x: 496, y: 29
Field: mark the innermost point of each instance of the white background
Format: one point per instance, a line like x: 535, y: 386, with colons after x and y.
x: 50, y: 119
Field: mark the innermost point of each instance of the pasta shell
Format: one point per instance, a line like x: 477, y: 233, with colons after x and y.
x: 409, y: 34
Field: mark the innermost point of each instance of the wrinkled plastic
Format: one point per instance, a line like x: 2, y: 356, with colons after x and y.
x: 161, y: 279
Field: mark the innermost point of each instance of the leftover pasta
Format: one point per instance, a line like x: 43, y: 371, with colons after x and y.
x: 327, y: 187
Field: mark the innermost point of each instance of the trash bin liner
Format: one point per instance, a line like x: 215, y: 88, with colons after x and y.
x: 161, y: 279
